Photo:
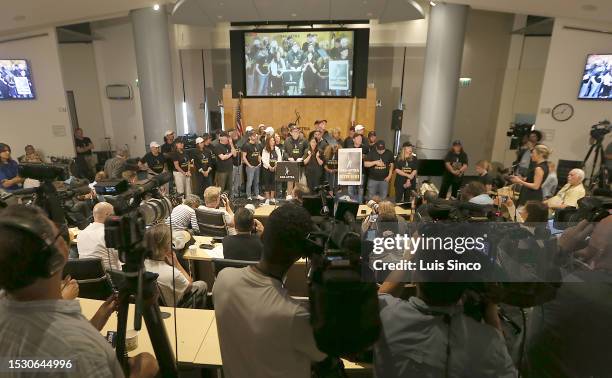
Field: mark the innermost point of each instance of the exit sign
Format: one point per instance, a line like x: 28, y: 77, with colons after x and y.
x: 465, y: 82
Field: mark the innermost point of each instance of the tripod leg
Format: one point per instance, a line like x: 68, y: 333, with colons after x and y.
x: 122, y: 315
x: 159, y: 339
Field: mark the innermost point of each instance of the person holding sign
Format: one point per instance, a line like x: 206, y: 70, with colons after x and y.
x: 313, y: 165
x: 379, y: 163
x: 269, y: 156
x: 406, y: 172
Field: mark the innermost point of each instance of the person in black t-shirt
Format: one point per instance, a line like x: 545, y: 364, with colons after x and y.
x: 456, y: 163
x: 225, y: 152
x: 313, y: 165
x: 482, y: 168
x: 246, y: 244
x: 294, y: 147
x: 181, y: 163
x: 153, y: 161
x: 85, y: 161
x: 168, y: 147
x: 330, y: 164
x: 237, y: 179
x: 251, y: 158
x: 379, y: 163
x: 406, y: 166
x: 203, y: 161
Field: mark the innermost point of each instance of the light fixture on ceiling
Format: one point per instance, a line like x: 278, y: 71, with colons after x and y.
x: 432, y: 3
x: 156, y: 7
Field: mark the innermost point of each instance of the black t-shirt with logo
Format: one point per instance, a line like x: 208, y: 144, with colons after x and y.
x: 406, y: 166
x: 252, y: 153
x: 379, y: 173
x: 295, y: 148
x: 332, y: 162
x: 455, y: 160
x: 224, y: 165
x: 83, y: 142
x: 203, y: 159
x: 183, y: 160
x: 237, y: 160
x: 155, y: 163
x: 273, y: 158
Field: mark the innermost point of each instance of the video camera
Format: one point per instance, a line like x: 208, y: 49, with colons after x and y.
x: 517, y: 132
x: 43, y: 172
x: 600, y: 130
x: 591, y: 209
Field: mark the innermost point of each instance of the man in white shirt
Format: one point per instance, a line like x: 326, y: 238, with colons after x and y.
x: 263, y: 332
x: 570, y: 193
x: 90, y: 241
x: 35, y: 322
x: 175, y: 284
x: 217, y: 204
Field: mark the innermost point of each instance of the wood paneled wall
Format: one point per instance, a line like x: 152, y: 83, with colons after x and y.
x: 277, y: 112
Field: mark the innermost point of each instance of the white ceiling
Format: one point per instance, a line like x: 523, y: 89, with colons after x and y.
x: 209, y: 12
x: 22, y: 15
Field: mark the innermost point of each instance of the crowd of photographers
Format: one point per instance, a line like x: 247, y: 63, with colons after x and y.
x: 428, y: 332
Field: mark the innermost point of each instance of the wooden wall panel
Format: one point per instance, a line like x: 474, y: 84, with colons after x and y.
x: 277, y: 112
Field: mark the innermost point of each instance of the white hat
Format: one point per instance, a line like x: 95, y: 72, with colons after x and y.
x: 249, y: 128
x: 199, y: 140
x: 359, y: 127
x: 261, y: 125
x: 250, y: 207
x: 169, y: 132
x: 269, y: 130
x: 153, y: 144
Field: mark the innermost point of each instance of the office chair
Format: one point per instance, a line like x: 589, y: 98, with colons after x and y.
x: 220, y: 264
x: 211, y: 224
x: 91, y: 277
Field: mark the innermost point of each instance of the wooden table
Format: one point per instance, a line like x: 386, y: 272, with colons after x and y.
x: 192, y: 327
x: 365, y: 210
x: 263, y: 212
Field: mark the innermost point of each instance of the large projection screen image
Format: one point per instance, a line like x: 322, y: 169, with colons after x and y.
x: 596, y: 81
x: 16, y: 80
x: 310, y: 63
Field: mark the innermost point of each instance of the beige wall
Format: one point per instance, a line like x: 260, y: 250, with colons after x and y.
x: 80, y: 76
x: 33, y: 121
x: 564, y: 70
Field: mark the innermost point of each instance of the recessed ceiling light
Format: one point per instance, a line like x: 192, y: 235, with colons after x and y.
x: 156, y: 7
x: 589, y: 7
x: 19, y: 18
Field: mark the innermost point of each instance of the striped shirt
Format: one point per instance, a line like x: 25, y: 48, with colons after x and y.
x: 183, y: 218
x: 54, y: 330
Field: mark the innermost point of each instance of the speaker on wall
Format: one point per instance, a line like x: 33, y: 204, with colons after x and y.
x: 396, y: 119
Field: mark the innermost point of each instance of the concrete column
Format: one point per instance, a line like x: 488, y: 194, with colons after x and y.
x: 443, y: 55
x: 151, y: 42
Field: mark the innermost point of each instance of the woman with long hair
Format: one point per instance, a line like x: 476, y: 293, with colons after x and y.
x: 9, y: 170
x: 531, y: 186
x: 405, y: 173
x: 310, y: 74
x: 313, y: 165
x: 270, y: 155
x: 330, y: 164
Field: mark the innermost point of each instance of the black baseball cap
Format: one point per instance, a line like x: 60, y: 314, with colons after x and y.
x: 371, y: 133
x: 380, y: 144
x: 457, y: 142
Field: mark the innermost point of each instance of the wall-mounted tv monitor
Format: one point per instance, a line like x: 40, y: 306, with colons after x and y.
x: 16, y: 80
x: 597, y: 78
x: 299, y: 63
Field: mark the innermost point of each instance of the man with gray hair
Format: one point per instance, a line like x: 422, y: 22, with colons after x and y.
x: 183, y: 217
x: 570, y: 193
x: 114, y: 167
x: 90, y: 241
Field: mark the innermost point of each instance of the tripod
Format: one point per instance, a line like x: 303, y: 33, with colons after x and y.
x: 598, y: 156
x: 133, y: 281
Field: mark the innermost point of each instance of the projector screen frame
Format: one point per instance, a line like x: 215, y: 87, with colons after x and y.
x: 361, y: 43
x: 31, y: 78
x: 586, y: 60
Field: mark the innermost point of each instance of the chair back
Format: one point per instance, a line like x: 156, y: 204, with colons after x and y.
x: 93, y: 281
x: 211, y: 224
x: 220, y: 264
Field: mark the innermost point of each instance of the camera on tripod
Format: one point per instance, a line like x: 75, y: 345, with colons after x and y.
x: 600, y: 130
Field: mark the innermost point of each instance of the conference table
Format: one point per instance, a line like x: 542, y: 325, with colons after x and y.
x: 198, y: 339
x: 263, y: 212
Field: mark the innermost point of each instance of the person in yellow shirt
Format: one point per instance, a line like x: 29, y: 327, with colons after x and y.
x: 570, y: 193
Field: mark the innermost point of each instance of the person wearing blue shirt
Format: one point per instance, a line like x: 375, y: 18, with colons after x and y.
x: 9, y: 170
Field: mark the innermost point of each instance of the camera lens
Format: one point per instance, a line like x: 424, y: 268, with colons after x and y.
x: 155, y: 210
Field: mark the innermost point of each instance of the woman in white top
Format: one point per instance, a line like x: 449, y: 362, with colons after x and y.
x: 270, y: 155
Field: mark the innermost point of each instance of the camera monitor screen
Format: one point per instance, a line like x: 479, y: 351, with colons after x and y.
x: 16, y: 80
x: 597, y: 78
x: 295, y: 63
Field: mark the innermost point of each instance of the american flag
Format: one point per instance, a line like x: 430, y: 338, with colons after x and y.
x: 239, y: 115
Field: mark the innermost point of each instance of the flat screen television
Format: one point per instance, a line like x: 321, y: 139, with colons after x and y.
x: 16, y: 80
x: 596, y: 81
x: 299, y: 63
